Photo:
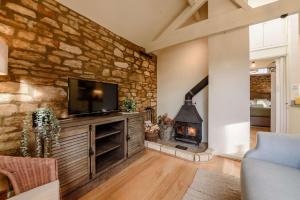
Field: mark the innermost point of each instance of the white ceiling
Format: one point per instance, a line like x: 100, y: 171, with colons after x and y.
x: 136, y: 20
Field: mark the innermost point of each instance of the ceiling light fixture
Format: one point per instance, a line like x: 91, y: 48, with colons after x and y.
x: 253, y: 65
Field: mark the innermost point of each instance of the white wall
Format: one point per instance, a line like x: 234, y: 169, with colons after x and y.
x: 229, y: 88
x: 180, y: 68
x: 293, y: 71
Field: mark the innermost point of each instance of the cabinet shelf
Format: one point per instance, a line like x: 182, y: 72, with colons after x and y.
x: 106, y: 148
x: 107, y: 161
x: 107, y: 133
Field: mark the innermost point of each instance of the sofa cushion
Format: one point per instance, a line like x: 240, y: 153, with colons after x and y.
x: 263, y: 180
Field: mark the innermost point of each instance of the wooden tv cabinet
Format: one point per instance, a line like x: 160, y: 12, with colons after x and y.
x: 91, y: 148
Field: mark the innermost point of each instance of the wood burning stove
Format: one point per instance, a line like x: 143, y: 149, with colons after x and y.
x: 188, y: 132
x: 188, y: 123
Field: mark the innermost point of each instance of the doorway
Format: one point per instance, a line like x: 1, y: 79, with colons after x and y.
x: 267, y: 97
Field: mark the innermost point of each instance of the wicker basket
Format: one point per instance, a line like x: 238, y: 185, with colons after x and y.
x: 152, y: 136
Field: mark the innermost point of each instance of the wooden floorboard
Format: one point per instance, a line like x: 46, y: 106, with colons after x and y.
x: 157, y: 176
x: 254, y: 130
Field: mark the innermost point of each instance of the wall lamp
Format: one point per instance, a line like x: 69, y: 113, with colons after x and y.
x: 3, y: 58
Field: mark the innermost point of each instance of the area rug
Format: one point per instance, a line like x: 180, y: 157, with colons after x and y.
x: 213, y: 186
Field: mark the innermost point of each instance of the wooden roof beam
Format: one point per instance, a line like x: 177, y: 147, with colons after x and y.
x: 235, y: 19
x: 194, y: 6
x: 242, y: 3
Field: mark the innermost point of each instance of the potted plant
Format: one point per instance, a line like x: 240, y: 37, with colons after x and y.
x: 46, y: 131
x: 129, y: 105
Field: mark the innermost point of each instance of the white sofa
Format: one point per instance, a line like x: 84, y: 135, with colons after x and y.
x: 272, y: 170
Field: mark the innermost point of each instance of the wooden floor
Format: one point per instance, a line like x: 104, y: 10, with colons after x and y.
x: 158, y: 176
x: 254, y: 131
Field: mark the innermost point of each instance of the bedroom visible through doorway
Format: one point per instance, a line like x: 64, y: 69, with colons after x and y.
x: 262, y: 97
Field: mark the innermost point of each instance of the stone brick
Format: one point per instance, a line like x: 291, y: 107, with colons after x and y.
x: 12, y: 136
x: 121, y: 64
x: 8, y: 109
x: 49, y: 93
x: 61, y: 83
x: 26, y: 35
x: 52, y: 7
x: 107, y: 39
x: 145, y: 64
x: 54, y: 59
x: 137, y: 77
x: 147, y: 73
x: 63, y: 54
x: 44, y: 74
x: 8, y: 30
x: 93, y: 45
x: 106, y: 72
x: 21, y: 98
x: 260, y: 87
x: 129, y: 51
x: 151, y: 67
x: 14, y: 88
x: 136, y: 54
x: 9, y: 145
x: 121, y: 47
x: 77, y: 71
x: 50, y: 22
x: 20, y: 44
x: 129, y: 59
x: 62, y: 68
x: 19, y: 18
x: 20, y: 62
x: 20, y: 9
x: 119, y: 73
x: 70, y: 30
x: 27, y: 107
x: 74, y: 24
x: 63, y: 8
x: 29, y: 3
x: 83, y: 58
x: 19, y: 71
x: 118, y: 53
x: 7, y: 129
x: 73, y: 63
x: 43, y: 65
x: 62, y: 19
x: 48, y: 42
x: 70, y: 48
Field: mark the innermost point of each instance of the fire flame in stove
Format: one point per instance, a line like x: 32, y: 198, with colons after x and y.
x: 192, y: 131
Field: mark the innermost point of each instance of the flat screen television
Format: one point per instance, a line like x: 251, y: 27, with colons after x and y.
x: 91, y: 97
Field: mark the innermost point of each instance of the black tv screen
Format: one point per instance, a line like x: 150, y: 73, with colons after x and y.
x: 91, y: 97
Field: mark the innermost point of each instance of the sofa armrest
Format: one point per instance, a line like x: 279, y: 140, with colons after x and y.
x: 283, y: 149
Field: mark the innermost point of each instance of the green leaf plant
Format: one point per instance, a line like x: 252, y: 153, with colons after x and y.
x: 129, y: 105
x: 46, y: 131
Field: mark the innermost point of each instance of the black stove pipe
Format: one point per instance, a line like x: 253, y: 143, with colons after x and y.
x: 200, y: 86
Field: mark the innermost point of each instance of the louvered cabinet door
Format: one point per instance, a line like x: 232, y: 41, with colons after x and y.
x: 73, y: 157
x: 136, y: 134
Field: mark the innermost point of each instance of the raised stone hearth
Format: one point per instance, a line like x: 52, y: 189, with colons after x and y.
x: 201, y: 154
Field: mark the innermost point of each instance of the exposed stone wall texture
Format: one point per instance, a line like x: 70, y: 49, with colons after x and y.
x: 48, y: 43
x: 260, y: 86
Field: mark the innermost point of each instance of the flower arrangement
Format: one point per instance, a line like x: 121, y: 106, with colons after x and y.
x: 165, y: 124
x: 46, y: 128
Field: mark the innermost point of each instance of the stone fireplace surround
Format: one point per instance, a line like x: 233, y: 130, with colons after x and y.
x: 48, y: 43
x: 168, y: 149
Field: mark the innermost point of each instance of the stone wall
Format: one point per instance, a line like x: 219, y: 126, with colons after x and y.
x: 260, y: 86
x: 48, y: 43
